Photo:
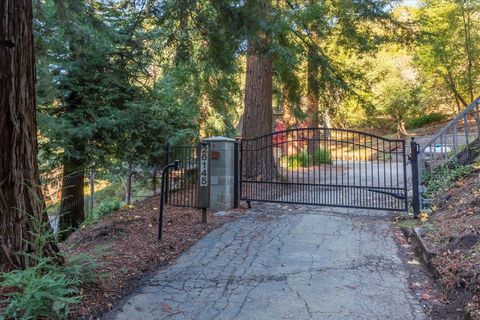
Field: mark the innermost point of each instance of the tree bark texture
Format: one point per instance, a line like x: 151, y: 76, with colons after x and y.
x: 258, y: 115
x: 466, y: 19
x: 289, y: 118
x: 312, y: 99
x: 401, y: 129
x: 22, y: 207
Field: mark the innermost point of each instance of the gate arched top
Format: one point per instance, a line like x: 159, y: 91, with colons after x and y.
x: 325, y: 166
x: 323, y: 130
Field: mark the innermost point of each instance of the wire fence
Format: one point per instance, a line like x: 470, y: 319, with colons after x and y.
x: 99, y: 188
x: 108, y: 190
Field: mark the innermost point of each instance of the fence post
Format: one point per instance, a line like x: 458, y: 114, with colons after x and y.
x: 167, y: 178
x: 128, y: 195
x: 92, y: 188
x: 477, y: 118
x: 415, y: 150
x: 204, y: 178
x: 221, y: 172
x: 236, y: 175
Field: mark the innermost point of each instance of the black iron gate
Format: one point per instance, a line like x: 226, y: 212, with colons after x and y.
x: 321, y: 166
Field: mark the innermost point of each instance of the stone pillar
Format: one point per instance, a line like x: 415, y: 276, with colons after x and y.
x: 221, y: 172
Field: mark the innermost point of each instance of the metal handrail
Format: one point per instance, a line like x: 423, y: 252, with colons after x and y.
x: 173, y: 165
x: 452, y: 123
x: 450, y: 141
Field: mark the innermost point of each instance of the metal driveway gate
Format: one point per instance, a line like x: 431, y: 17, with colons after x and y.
x: 322, y: 166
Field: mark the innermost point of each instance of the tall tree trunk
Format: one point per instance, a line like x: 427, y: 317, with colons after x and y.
x: 453, y: 87
x: 467, y: 28
x: 449, y: 80
x: 312, y: 99
x: 22, y: 207
x: 289, y: 118
x: 457, y: 104
x: 72, y: 205
x: 401, y: 130
x: 466, y: 19
x: 325, y: 89
x: 72, y: 208
x: 258, y: 115
x: 182, y: 54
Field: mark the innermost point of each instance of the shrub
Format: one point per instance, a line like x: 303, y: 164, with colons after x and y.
x: 442, y: 177
x: 103, y: 209
x: 46, y: 290
x: 423, y: 120
x: 304, y: 159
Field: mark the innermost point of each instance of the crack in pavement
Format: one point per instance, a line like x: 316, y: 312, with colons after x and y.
x: 273, y: 263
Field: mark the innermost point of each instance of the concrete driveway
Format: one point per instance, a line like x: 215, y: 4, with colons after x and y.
x: 283, y: 262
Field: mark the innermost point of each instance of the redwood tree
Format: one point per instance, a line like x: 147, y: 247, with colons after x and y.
x: 258, y: 115
x: 312, y: 98
x: 22, y: 208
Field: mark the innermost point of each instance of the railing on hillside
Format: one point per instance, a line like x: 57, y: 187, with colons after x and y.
x: 447, y: 144
x: 451, y: 140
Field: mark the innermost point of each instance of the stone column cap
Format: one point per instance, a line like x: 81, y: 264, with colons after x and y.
x: 219, y: 139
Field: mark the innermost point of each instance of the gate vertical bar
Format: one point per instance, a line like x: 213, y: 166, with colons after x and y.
x: 405, y: 180
x: 167, y: 178
x: 467, y: 129
x: 236, y: 196
x: 240, y: 173
x: 415, y: 149
x: 455, y: 143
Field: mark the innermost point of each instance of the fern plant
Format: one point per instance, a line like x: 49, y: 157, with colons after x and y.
x: 40, y: 291
x: 102, y: 210
x: 46, y: 290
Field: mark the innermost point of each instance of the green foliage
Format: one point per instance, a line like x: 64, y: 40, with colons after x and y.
x: 408, y: 224
x: 114, y: 84
x: 116, y: 79
x: 305, y: 159
x: 424, y: 120
x: 396, y: 86
x: 448, y: 49
x: 46, y: 290
x: 82, y: 267
x: 442, y: 177
x: 305, y: 34
x: 106, y: 207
